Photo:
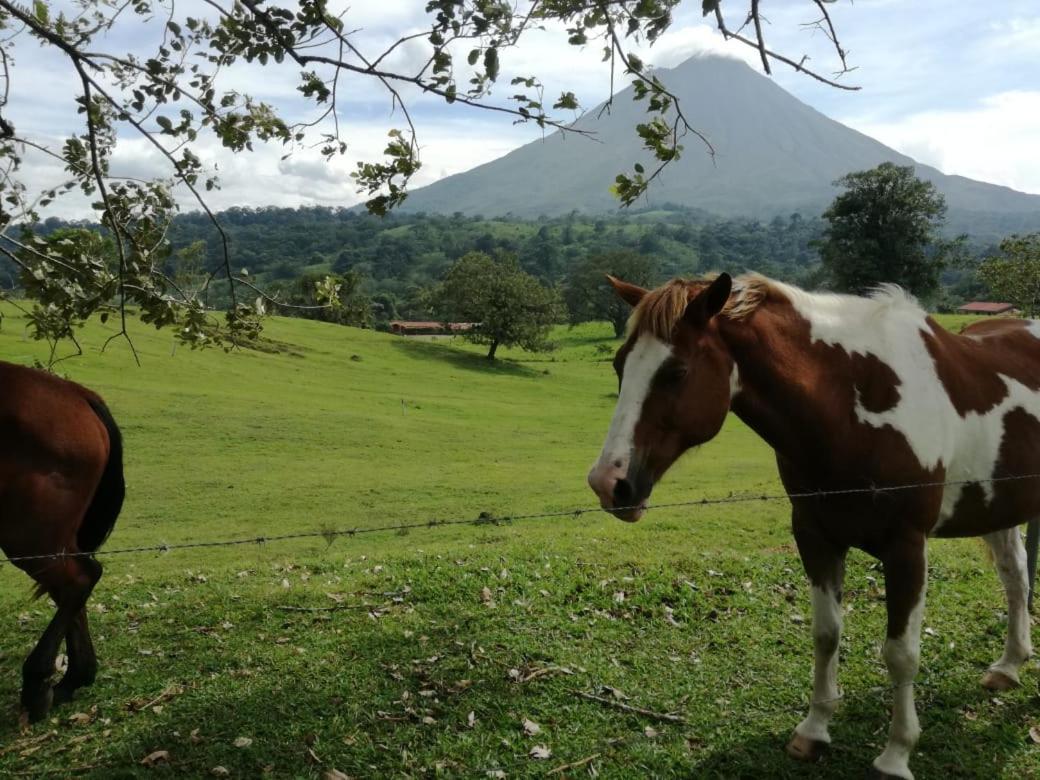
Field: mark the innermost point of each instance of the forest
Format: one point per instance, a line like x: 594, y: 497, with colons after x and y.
x: 394, y: 260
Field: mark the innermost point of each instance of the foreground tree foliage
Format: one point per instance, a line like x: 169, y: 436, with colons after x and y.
x: 1013, y: 276
x: 589, y: 296
x: 171, y: 89
x: 884, y: 229
x: 507, y: 306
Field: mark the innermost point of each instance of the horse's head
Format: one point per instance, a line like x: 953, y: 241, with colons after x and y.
x: 674, y: 373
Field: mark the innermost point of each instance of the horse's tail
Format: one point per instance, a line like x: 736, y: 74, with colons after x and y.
x: 111, y: 490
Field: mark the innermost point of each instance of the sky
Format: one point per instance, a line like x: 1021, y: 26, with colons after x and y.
x: 953, y: 85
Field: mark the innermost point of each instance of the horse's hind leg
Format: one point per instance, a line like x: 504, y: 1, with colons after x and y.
x: 1010, y: 557
x: 83, y: 665
x: 70, y: 582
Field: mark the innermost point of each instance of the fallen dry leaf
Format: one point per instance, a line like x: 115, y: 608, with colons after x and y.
x: 650, y: 732
x: 158, y: 757
x: 540, y: 752
x: 335, y: 774
x: 219, y: 771
x: 531, y: 728
x: 471, y: 720
x: 1034, y: 734
x: 243, y: 742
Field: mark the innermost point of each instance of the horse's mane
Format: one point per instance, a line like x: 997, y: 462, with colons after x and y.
x: 660, y: 309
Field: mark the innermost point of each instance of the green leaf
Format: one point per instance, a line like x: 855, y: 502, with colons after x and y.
x: 491, y: 63
x: 41, y: 11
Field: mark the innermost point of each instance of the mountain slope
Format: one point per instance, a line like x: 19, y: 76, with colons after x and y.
x: 774, y: 155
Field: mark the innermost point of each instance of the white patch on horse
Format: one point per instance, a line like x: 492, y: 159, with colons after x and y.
x: 1009, y: 555
x: 903, y: 656
x: 641, y: 363
x: 734, y: 382
x: 1034, y: 328
x: 890, y: 326
x: 826, y: 629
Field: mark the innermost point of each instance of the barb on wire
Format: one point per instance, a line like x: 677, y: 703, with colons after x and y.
x: 486, y: 518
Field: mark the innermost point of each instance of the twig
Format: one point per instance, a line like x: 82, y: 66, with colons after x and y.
x: 334, y: 608
x: 573, y: 764
x: 629, y: 708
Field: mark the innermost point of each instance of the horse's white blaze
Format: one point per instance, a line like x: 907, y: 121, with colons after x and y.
x: 967, y: 446
x: 902, y: 656
x: 646, y: 356
x: 826, y: 629
x: 1009, y: 554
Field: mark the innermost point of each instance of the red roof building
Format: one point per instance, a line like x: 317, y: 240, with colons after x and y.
x: 985, y: 307
x: 427, y: 328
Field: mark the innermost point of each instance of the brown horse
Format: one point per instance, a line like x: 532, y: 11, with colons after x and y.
x: 852, y: 393
x: 61, y: 490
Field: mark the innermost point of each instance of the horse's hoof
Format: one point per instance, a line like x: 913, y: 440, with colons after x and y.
x: 62, y: 694
x: 35, y: 706
x: 994, y: 680
x: 806, y: 749
x: 876, y: 774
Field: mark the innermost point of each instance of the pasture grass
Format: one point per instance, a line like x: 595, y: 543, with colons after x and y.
x: 388, y: 655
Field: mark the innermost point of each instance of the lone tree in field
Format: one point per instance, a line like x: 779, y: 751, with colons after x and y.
x: 589, y: 296
x: 1014, y: 275
x: 169, y: 75
x: 509, y: 306
x: 884, y: 228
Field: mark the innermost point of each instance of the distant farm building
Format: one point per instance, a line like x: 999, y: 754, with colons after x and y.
x: 410, y: 328
x: 985, y: 307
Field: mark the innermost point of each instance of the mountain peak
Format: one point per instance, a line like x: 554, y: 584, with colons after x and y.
x: 773, y: 155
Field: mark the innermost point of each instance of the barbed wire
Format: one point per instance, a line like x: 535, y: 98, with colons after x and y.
x: 487, y: 518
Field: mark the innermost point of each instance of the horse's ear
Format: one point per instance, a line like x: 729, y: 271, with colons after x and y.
x: 629, y: 293
x: 709, y: 301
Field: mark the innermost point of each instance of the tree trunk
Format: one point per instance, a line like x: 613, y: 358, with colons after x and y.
x: 491, y: 352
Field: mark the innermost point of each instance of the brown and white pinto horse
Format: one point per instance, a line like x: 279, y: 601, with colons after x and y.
x: 851, y: 393
x: 61, y: 490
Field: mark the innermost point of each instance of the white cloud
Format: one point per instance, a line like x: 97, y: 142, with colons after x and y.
x: 995, y: 141
x: 679, y: 44
x: 943, y: 82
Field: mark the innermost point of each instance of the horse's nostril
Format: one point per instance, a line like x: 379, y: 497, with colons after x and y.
x: 623, y: 493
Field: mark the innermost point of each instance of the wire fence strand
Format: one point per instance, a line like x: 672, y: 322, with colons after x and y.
x: 487, y: 518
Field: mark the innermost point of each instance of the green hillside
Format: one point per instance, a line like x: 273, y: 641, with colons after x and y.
x: 403, y: 655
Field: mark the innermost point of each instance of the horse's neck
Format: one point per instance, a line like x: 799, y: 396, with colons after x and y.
x: 778, y: 392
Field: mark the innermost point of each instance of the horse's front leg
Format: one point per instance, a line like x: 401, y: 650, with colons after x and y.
x: 825, y: 566
x: 906, y: 577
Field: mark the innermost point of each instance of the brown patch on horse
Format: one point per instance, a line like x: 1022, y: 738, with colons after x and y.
x: 877, y: 385
x: 970, y: 365
x: 1014, y: 501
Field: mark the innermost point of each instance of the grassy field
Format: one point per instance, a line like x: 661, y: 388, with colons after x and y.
x: 388, y: 655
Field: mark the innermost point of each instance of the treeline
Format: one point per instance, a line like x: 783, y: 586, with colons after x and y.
x: 394, y: 261
x: 401, y: 254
